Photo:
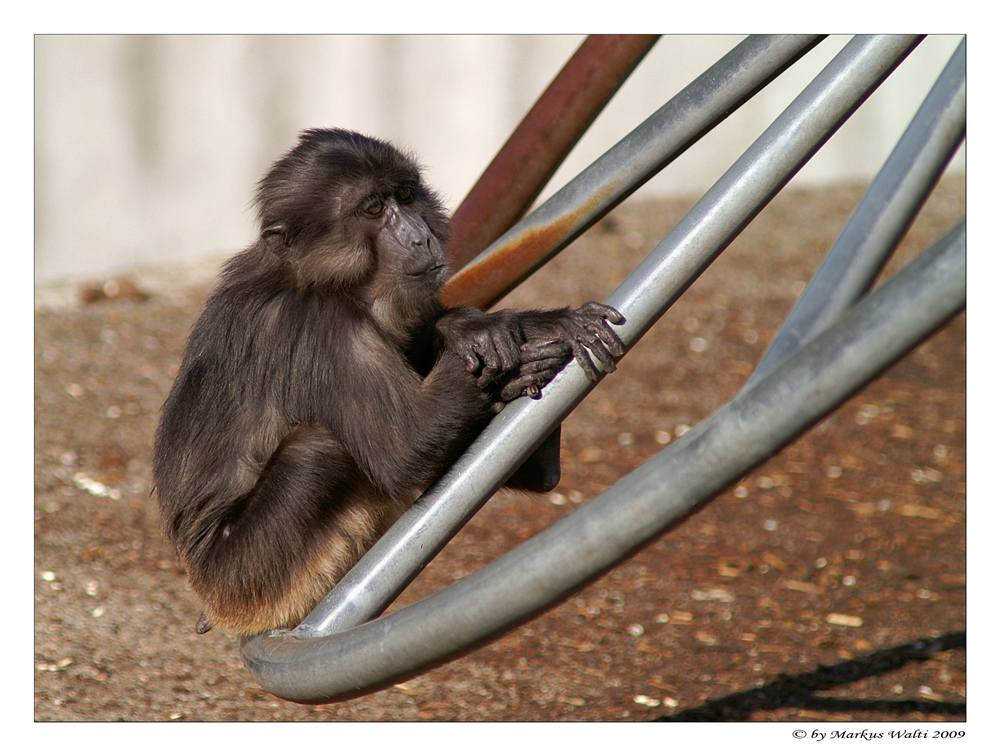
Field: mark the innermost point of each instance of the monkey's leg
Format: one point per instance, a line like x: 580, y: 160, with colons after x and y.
x: 541, y: 471
x: 282, y: 547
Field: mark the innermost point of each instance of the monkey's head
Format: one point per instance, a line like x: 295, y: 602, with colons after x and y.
x: 347, y: 212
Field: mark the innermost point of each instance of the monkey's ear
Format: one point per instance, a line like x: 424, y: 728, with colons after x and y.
x: 275, y: 237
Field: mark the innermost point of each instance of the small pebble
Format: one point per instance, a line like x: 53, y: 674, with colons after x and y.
x: 844, y: 620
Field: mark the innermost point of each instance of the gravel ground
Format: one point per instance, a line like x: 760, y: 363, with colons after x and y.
x: 828, y: 585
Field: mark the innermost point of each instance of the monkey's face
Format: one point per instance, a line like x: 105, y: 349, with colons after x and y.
x: 409, y: 258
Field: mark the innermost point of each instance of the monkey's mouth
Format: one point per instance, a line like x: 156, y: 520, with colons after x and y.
x: 432, y: 270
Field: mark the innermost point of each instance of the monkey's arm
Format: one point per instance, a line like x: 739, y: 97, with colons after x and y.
x: 402, y: 428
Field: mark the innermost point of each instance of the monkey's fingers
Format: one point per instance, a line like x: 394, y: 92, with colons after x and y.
x: 491, y: 362
x: 543, y: 349
x: 610, y: 337
x: 486, y: 378
x: 596, y: 322
x: 488, y: 375
x: 507, y: 349
x: 533, y: 375
x: 548, y: 367
x: 583, y: 359
x: 589, y: 327
x: 470, y: 358
x: 602, y: 311
x: 595, y: 341
x: 526, y: 385
x: 606, y: 346
x: 499, y: 353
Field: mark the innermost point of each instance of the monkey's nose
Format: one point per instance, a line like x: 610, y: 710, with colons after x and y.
x: 421, y: 260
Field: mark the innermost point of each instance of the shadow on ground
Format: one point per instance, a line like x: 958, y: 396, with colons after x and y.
x: 799, y: 691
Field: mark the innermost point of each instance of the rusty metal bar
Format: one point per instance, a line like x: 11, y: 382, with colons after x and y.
x: 542, y: 141
x: 661, y: 138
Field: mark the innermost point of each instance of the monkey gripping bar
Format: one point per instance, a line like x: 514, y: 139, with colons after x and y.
x: 837, y: 338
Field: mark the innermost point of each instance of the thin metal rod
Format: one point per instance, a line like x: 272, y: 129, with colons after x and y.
x: 578, y: 549
x: 660, y: 139
x: 385, y: 570
x: 882, y: 217
x: 543, y: 139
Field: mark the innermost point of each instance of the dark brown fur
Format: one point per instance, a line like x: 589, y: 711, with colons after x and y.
x: 324, y: 387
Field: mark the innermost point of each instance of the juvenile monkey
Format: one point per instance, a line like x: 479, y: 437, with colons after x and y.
x: 324, y: 386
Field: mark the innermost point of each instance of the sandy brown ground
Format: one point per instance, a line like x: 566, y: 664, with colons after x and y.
x: 827, y: 585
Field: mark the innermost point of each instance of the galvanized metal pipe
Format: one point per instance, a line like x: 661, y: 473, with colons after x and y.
x: 540, y: 143
x: 385, y: 570
x: 882, y: 217
x: 753, y: 180
x: 741, y: 434
x: 660, y: 139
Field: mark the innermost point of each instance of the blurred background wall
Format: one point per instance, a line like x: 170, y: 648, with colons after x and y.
x: 147, y: 148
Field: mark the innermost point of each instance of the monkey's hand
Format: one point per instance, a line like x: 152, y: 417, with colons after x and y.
x: 540, y: 361
x: 487, y: 340
x: 586, y: 328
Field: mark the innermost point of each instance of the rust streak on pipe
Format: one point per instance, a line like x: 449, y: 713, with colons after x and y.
x: 478, y: 285
x: 541, y: 142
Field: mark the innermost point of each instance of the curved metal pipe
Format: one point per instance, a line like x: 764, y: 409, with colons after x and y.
x: 385, y: 570
x: 375, y: 654
x: 541, y: 572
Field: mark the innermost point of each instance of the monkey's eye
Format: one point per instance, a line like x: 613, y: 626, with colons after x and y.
x: 405, y: 194
x: 375, y: 208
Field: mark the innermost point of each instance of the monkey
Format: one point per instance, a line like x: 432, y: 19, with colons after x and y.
x: 324, y: 386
